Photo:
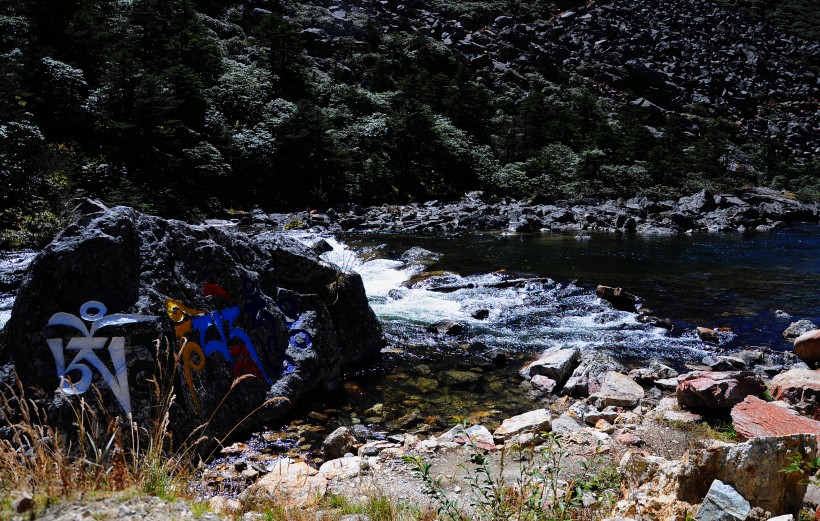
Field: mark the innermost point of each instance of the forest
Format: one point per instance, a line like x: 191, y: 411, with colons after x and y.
x: 201, y: 108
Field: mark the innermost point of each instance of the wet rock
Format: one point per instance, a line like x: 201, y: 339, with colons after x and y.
x: 618, y: 390
x: 807, y: 346
x: 555, y: 363
x: 724, y: 363
x: 723, y: 503
x: 620, y: 299
x: 420, y: 256
x: 701, y: 390
x: 480, y: 314
x: 668, y: 489
x: 447, y: 327
x: 253, y: 309
x: 532, y: 421
x: 649, y: 375
x: 708, y: 334
x: 754, y: 417
x: 338, y: 443
x: 799, y: 387
x: 797, y: 329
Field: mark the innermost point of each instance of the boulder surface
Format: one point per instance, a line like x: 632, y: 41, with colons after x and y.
x: 240, y: 325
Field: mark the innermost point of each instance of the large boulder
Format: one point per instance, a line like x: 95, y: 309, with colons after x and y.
x: 658, y: 488
x: 801, y: 388
x: 618, y: 390
x: 587, y: 378
x: 246, y: 324
x: 807, y: 346
x: 701, y: 390
x: 754, y: 417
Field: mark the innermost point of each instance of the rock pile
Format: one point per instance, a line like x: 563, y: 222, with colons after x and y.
x: 760, y: 210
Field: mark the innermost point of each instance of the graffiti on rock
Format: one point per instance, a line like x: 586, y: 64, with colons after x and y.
x: 200, y: 334
x: 87, y: 346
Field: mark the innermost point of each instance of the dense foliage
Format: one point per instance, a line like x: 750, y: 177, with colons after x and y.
x: 188, y: 107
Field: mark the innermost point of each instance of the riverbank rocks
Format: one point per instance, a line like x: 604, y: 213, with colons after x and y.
x: 254, y: 322
x: 588, y: 377
x: 701, y: 390
x: 447, y: 327
x: 798, y: 328
x: 618, y: 390
x: 799, y: 387
x: 723, y: 503
x: 338, y: 443
x: 658, y: 488
x: 754, y: 417
x: 532, y: 421
x: 555, y: 363
x: 807, y: 346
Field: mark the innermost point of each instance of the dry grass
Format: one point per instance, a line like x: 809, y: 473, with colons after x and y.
x: 99, y: 454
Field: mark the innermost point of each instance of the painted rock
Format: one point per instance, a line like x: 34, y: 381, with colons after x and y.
x: 240, y: 327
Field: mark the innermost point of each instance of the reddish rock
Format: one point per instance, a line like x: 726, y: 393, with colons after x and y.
x: 754, y: 417
x: 801, y: 388
x: 807, y: 346
x: 716, y: 390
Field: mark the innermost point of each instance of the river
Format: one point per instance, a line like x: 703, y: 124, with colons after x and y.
x: 754, y: 284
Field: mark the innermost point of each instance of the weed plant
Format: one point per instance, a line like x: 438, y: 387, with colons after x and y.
x: 537, y: 493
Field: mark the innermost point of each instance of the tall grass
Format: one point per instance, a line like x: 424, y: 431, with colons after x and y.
x: 98, y: 453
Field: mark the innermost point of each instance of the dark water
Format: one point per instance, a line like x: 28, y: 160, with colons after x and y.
x: 726, y: 280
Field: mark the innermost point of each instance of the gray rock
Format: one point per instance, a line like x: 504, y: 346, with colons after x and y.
x: 588, y: 377
x: 797, y: 329
x: 555, y: 363
x: 338, y: 443
x: 618, y: 390
x: 723, y: 503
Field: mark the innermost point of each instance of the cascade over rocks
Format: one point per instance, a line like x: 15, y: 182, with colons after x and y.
x: 256, y: 320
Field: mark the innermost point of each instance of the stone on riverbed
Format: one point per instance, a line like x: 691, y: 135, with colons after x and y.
x: 620, y: 299
x: 618, y: 390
